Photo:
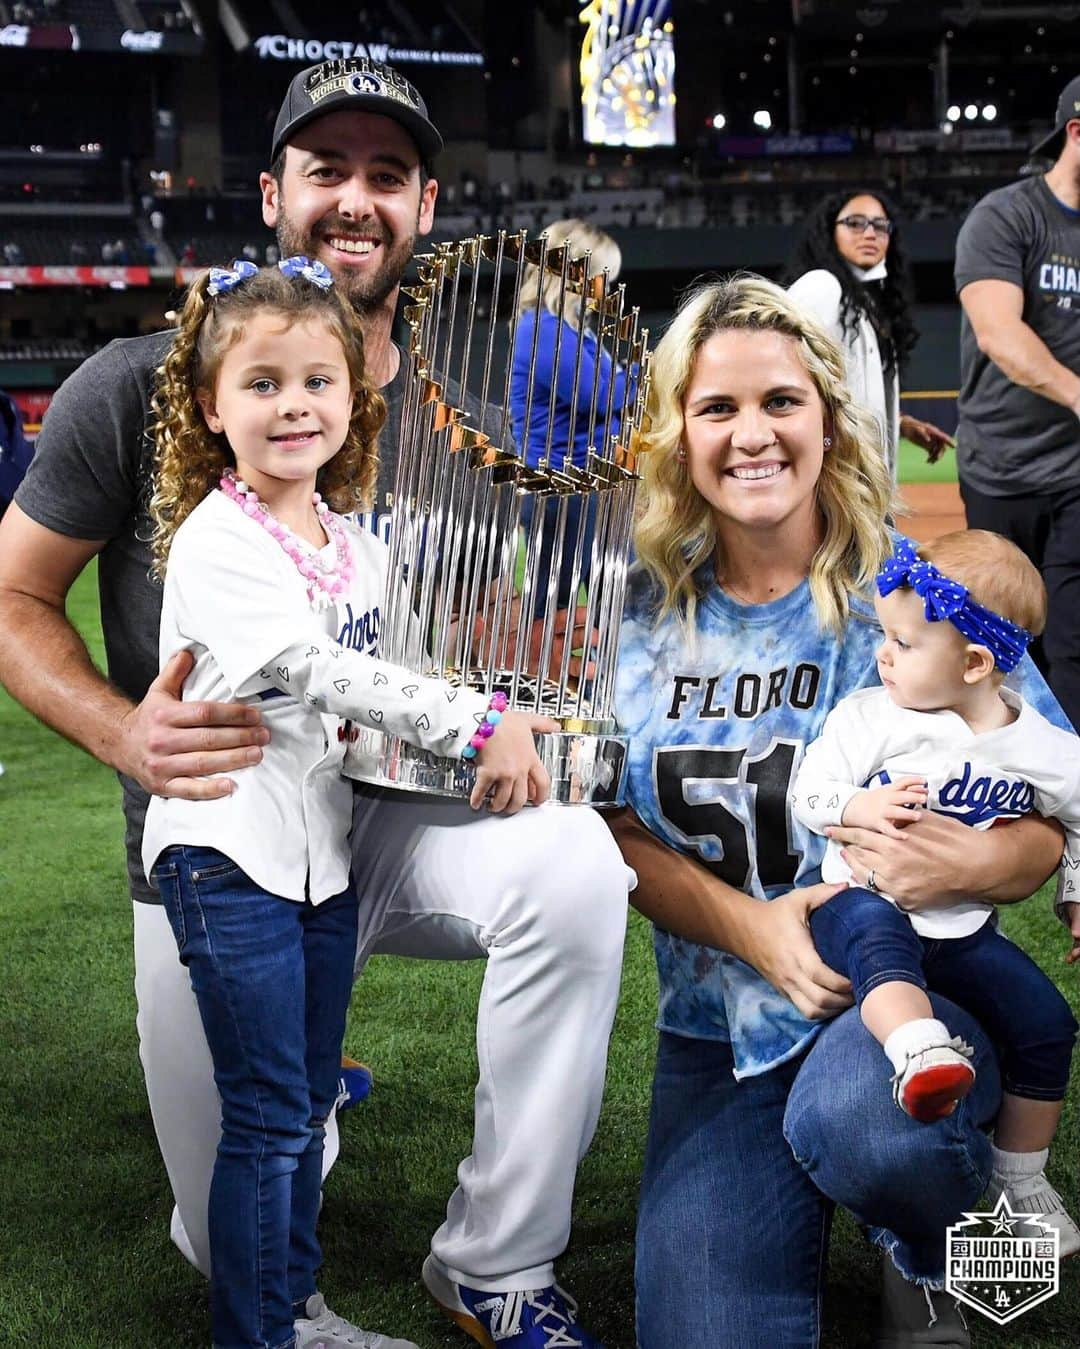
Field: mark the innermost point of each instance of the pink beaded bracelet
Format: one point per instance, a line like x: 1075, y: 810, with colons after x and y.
x: 496, y: 707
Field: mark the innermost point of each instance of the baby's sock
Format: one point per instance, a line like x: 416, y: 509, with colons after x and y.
x: 1010, y: 1168
x: 912, y: 1037
x: 1021, y: 1176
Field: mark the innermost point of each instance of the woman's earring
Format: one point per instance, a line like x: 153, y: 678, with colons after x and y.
x: 681, y: 456
x: 827, y: 443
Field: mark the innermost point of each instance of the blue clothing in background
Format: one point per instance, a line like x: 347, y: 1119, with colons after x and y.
x: 533, y: 437
x: 15, y: 450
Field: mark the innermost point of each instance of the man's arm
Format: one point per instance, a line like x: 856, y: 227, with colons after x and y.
x: 994, y: 309
x: 683, y: 897
x: 164, y: 744
x: 938, y: 861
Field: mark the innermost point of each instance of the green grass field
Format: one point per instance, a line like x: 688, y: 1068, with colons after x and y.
x: 912, y: 465
x: 85, y: 1260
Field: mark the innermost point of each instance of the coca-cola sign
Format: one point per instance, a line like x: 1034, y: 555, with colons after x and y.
x: 150, y: 41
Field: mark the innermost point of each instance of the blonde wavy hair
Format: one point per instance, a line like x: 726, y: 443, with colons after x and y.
x: 189, y: 458
x: 584, y: 238
x: 676, y: 531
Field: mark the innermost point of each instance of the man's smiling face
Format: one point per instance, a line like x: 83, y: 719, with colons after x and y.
x: 350, y: 195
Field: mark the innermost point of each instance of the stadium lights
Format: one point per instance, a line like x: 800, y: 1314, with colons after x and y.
x: 718, y: 121
x: 763, y: 119
x: 970, y: 113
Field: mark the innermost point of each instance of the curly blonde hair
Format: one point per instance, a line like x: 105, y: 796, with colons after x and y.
x: 189, y: 458
x: 676, y: 531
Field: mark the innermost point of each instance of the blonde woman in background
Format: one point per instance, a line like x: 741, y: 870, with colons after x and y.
x: 559, y: 430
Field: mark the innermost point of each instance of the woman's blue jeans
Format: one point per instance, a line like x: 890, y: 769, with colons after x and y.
x: 741, y: 1179
x: 272, y: 979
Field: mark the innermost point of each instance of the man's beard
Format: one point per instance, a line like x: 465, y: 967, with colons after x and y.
x: 366, y: 291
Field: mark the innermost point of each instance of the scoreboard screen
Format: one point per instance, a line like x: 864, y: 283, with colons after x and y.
x: 627, y: 67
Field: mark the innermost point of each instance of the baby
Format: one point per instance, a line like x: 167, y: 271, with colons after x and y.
x: 943, y: 732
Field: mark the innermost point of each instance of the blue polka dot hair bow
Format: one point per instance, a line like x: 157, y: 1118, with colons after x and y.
x: 315, y: 272
x: 944, y: 598
x: 228, y: 278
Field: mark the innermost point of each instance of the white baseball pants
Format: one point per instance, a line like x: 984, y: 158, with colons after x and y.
x: 541, y: 896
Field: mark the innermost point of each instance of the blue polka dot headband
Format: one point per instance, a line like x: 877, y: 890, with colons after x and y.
x: 223, y: 279
x: 944, y: 598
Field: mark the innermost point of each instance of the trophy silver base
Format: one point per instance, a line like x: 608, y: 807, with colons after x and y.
x: 585, y: 768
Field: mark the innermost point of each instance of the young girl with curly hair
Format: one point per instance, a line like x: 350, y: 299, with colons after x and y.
x: 265, y: 430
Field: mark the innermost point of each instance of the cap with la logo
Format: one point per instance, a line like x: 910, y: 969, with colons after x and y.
x: 359, y: 84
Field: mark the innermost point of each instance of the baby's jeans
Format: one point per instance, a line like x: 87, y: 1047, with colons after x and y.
x: 868, y: 939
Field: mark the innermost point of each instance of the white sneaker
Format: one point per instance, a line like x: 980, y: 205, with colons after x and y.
x: 321, y: 1329
x: 934, y: 1079
x: 1037, y: 1195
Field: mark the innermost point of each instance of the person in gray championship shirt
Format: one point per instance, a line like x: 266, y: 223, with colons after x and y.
x: 1018, y: 442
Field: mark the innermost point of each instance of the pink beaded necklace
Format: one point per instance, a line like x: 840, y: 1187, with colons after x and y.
x: 325, y: 580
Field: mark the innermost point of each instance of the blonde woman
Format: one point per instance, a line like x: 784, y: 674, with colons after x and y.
x: 558, y: 421
x: 748, y: 619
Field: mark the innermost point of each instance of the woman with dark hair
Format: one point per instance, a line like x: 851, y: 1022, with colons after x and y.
x: 839, y: 274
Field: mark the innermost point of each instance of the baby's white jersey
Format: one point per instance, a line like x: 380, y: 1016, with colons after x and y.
x: 236, y: 600
x: 868, y: 741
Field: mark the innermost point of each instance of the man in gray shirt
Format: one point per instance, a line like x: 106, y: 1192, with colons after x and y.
x: 545, y: 899
x: 1018, y: 442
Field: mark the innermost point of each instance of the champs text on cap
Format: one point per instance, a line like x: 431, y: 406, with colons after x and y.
x: 359, y: 75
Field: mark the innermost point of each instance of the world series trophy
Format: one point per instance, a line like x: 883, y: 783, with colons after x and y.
x: 466, y: 601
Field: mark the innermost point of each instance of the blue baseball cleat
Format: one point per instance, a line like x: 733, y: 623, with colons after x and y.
x: 540, y: 1318
x: 353, y: 1084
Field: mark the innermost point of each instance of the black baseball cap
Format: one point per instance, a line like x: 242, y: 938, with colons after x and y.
x: 1068, y: 109
x: 359, y: 84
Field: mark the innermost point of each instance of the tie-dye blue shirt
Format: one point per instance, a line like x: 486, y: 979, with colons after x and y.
x: 717, y: 727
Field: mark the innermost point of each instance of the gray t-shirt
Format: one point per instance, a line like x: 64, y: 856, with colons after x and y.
x: 90, y: 479
x: 1011, y: 441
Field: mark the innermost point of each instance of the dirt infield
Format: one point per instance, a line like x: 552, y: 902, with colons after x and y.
x: 935, y: 508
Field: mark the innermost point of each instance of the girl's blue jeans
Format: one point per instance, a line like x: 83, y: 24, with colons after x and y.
x: 741, y: 1178
x: 272, y: 979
